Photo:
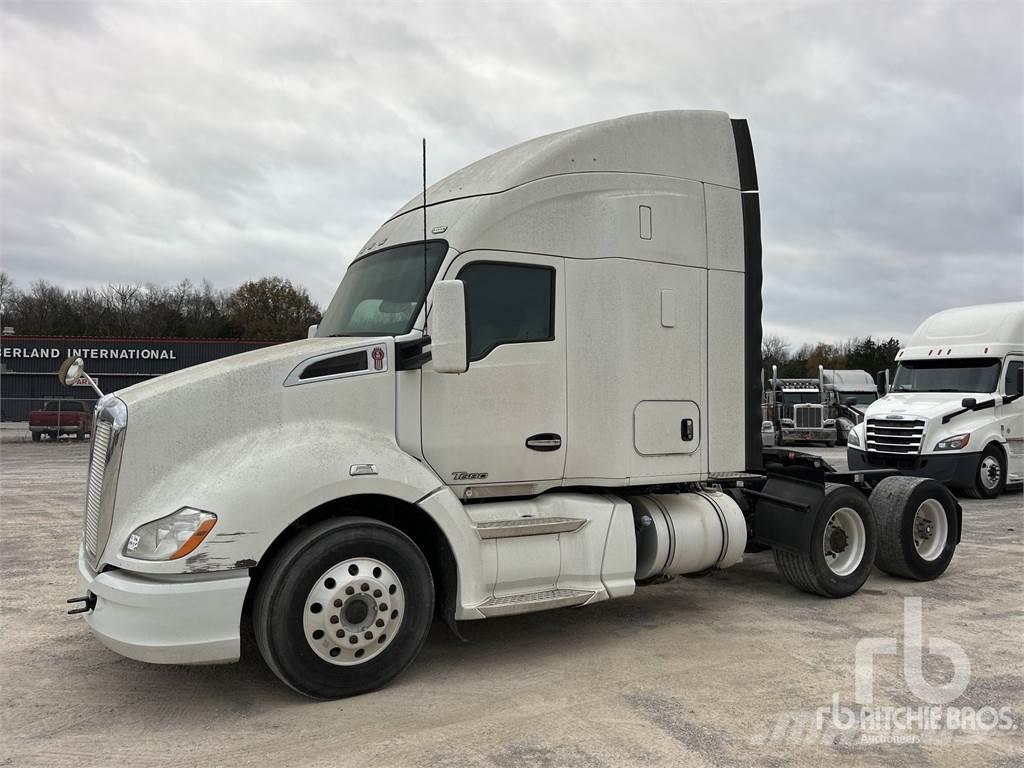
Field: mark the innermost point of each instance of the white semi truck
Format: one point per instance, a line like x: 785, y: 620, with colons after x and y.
x: 540, y: 389
x: 953, y: 411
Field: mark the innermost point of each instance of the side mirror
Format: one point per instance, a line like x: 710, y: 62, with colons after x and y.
x: 448, y: 336
x: 311, y: 331
x: 882, y: 383
x: 1018, y: 382
x: 968, y: 403
x: 71, y: 370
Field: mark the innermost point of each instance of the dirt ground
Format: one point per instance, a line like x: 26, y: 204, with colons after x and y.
x: 734, y: 669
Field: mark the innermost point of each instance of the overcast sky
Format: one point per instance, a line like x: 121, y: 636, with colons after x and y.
x: 153, y: 142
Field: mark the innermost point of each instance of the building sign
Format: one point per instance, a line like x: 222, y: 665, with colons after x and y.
x: 86, y: 353
x: 114, y: 357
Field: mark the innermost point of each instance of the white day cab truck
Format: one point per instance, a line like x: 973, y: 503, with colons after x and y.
x: 540, y: 389
x: 953, y: 411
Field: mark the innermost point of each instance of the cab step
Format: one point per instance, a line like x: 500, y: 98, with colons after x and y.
x: 529, y: 526
x: 529, y: 602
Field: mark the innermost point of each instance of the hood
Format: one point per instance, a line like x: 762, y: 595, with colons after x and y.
x: 242, y: 373
x: 927, y: 405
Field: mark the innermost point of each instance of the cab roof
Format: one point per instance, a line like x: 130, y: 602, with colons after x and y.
x: 984, y: 330
x: 690, y: 144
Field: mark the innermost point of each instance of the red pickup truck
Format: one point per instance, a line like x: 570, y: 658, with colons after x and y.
x: 61, y: 417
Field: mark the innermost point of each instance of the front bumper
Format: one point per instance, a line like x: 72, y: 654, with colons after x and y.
x: 956, y: 469
x: 166, y: 621
x: 808, y: 434
x: 64, y: 429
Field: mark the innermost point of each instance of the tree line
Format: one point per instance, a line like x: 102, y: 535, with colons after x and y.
x: 864, y: 354
x: 268, y: 308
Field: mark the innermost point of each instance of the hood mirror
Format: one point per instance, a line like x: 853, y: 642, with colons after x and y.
x: 73, y: 369
x: 969, y: 403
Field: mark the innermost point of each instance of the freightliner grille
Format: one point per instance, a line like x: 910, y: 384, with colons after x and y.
x: 895, y: 435
x: 94, y: 491
x: 808, y: 416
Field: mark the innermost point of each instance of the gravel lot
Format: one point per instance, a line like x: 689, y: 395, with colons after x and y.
x: 725, y: 670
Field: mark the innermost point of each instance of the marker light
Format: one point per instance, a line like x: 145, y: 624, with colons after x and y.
x: 171, y: 537
x: 954, y: 443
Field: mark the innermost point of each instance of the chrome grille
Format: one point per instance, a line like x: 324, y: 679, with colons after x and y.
x: 94, y: 489
x: 110, y: 421
x: 895, y: 435
x: 808, y: 416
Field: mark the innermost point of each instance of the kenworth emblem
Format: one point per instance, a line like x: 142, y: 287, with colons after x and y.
x: 469, y: 476
x: 378, y: 358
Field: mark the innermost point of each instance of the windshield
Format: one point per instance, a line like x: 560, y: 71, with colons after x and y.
x: 946, y: 376
x: 791, y: 398
x: 381, y: 294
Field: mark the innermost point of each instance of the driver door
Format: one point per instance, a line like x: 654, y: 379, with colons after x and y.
x: 504, y: 420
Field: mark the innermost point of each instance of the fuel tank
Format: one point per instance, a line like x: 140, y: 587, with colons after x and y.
x: 684, y: 533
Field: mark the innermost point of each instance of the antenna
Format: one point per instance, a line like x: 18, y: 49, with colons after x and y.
x: 424, y: 235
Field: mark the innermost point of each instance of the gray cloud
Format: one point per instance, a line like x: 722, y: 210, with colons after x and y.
x: 153, y: 142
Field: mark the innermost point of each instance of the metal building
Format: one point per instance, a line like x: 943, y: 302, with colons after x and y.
x: 28, y: 365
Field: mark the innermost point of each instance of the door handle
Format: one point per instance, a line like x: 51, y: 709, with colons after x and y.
x: 545, y: 441
x: 686, y: 430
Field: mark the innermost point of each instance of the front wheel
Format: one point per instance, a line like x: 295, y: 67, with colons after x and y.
x: 344, y: 608
x: 989, y: 476
x: 841, y: 551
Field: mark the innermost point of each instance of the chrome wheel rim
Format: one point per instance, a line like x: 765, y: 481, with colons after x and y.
x: 930, y: 529
x: 353, y: 611
x: 990, y: 472
x: 844, y: 541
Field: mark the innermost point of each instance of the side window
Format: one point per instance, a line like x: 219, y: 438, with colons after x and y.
x: 507, y: 304
x: 1010, y: 381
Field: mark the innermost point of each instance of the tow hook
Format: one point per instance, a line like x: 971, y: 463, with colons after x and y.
x: 88, y: 603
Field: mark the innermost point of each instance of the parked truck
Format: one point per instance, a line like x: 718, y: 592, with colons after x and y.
x: 537, y: 386
x: 61, y: 417
x: 796, y: 408
x: 953, y: 411
x: 847, y: 396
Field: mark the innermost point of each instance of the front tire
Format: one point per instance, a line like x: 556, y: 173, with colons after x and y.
x: 918, y: 527
x: 344, y: 608
x: 842, y: 546
x: 989, y: 475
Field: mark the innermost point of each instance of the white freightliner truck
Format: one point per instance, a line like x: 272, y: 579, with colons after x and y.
x: 539, y: 390
x: 953, y: 411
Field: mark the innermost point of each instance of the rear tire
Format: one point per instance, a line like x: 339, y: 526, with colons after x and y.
x: 842, y: 546
x: 37, y: 436
x: 989, y: 475
x: 918, y: 527
x: 308, y: 628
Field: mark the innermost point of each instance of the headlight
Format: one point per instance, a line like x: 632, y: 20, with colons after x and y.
x: 954, y: 443
x: 170, y: 537
x: 852, y: 438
